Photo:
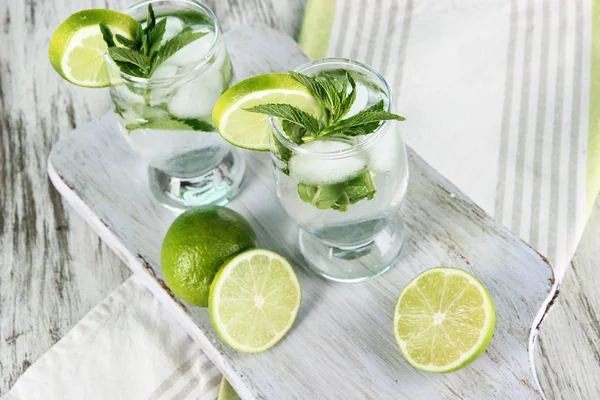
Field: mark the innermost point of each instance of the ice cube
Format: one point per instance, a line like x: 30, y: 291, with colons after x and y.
x: 165, y: 71
x: 313, y: 170
x: 196, y: 99
x: 161, y: 92
x: 387, y: 153
x: 126, y: 94
x: 361, y: 101
x: 174, y: 26
x: 194, y: 52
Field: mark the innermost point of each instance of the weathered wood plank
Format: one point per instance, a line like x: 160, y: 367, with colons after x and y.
x: 53, y: 267
x: 59, y: 269
x: 569, y: 343
x: 342, y: 345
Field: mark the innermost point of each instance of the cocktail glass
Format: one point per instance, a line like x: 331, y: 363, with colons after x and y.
x: 345, y: 193
x: 167, y: 118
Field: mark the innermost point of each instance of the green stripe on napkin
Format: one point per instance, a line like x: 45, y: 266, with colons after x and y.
x: 593, y: 164
x: 316, y: 27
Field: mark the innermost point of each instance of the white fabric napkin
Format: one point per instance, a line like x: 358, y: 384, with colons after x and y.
x: 127, y: 347
x: 498, y: 97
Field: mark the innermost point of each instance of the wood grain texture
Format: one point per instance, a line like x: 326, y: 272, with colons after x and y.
x: 342, y: 345
x: 569, y: 343
x: 53, y: 267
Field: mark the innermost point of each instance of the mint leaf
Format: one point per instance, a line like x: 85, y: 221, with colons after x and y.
x: 174, y: 125
x: 139, y: 32
x: 293, y: 131
x: 362, y: 123
x: 126, y: 42
x: 141, y: 55
x: 130, y: 69
x: 321, y: 196
x: 310, y: 83
x: 173, y: 45
x: 124, y: 55
x: 145, y: 45
x: 107, y: 35
x: 331, y: 93
x: 156, y: 35
x: 360, y: 187
x: 289, y: 113
x: 357, y: 76
x: 339, y: 196
x: 348, y: 99
x: 150, y: 19
x: 199, y: 125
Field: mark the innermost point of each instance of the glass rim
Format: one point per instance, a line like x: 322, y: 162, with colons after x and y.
x: 355, y: 148
x: 200, y: 66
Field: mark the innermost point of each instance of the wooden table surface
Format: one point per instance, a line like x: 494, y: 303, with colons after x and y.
x: 54, y: 268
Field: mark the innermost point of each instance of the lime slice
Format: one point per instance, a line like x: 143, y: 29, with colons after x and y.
x: 77, y: 48
x: 254, y: 300
x: 251, y: 130
x: 444, y: 320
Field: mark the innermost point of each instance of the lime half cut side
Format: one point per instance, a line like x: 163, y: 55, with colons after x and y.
x: 77, y: 48
x: 444, y: 319
x: 254, y: 300
x: 250, y: 130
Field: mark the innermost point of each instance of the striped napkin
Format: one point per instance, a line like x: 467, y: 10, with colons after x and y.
x: 127, y: 347
x: 498, y: 98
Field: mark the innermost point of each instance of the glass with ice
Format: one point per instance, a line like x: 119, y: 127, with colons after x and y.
x: 344, y: 192
x: 166, y: 118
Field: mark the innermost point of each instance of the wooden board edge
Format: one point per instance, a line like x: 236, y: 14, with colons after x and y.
x: 537, y: 325
x: 142, y: 270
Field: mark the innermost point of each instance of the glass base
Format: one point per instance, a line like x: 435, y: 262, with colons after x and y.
x: 356, y: 264
x: 217, y: 185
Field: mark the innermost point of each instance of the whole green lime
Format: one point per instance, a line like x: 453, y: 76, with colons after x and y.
x: 198, y: 242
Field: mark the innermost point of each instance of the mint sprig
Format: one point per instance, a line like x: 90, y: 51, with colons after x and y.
x: 335, y: 97
x: 141, y: 56
x: 363, y: 123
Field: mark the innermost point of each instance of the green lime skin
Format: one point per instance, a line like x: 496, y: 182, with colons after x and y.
x: 62, y: 36
x: 197, y: 244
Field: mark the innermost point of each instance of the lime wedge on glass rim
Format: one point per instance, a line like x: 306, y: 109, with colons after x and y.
x: 251, y: 130
x: 77, y: 48
x: 444, y: 319
x: 254, y: 300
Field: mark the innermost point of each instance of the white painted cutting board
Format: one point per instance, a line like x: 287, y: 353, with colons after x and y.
x: 342, y: 345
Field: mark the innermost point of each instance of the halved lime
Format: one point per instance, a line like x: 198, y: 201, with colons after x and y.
x: 77, y: 48
x: 444, y: 319
x: 251, y: 130
x: 254, y: 300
